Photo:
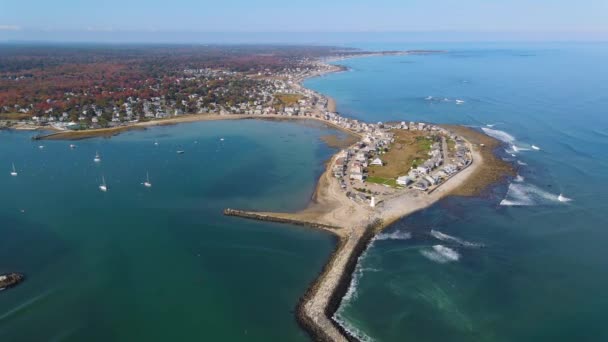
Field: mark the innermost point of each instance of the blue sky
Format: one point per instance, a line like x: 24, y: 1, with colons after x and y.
x: 144, y: 19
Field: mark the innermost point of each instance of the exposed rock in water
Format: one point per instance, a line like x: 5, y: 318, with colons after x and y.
x: 10, y: 279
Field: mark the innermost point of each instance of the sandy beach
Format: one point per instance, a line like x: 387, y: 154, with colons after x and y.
x: 355, y: 224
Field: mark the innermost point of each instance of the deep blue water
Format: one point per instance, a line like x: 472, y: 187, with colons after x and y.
x: 522, y: 265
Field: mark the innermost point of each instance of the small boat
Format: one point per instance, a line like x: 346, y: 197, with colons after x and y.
x: 147, y: 183
x: 10, y: 279
x: 72, y: 146
x: 221, y: 139
x: 97, y: 158
x: 103, y: 187
x: 41, y: 147
x: 14, y: 172
x: 155, y: 143
x: 534, y: 147
x: 459, y: 101
x: 180, y: 152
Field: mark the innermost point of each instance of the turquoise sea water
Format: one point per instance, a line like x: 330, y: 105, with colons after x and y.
x: 164, y: 264
x: 159, y: 264
x: 521, y: 265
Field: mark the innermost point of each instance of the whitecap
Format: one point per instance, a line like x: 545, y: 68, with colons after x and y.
x: 448, y: 238
x: 459, y: 102
x: 519, y: 178
x: 498, y: 134
x: 519, y: 162
x: 441, y: 254
x: 535, y: 147
x: 523, y: 194
x: 563, y: 198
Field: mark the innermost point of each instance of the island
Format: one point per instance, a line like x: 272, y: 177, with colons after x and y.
x: 382, y: 172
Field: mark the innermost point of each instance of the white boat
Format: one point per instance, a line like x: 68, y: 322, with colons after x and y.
x: 180, y: 152
x: 41, y: 147
x: 155, y: 143
x: 221, y: 139
x: 103, y: 187
x: 147, y: 183
x: 72, y: 146
x: 534, y: 147
x: 97, y: 158
x: 459, y: 101
x: 14, y: 172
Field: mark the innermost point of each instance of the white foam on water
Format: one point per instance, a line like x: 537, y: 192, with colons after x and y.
x: 448, y: 238
x: 519, y: 162
x: 351, y: 329
x: 500, y: 135
x: 519, y: 178
x: 534, y: 147
x: 563, y: 198
x: 398, y: 235
x: 523, y: 194
x: 459, y: 102
x: 441, y: 254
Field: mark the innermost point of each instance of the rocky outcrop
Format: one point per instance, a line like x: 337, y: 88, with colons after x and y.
x: 9, y: 280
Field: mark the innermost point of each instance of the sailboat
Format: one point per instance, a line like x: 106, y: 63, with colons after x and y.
x: 103, y: 187
x: 97, y: 158
x: 14, y: 172
x: 147, y: 183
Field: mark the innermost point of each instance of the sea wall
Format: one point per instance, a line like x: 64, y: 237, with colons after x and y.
x: 322, y: 299
x: 275, y: 218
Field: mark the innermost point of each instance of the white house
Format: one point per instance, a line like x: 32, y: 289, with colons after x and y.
x: 377, y: 162
x: 404, y: 180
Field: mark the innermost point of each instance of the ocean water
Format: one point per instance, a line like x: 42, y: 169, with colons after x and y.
x: 518, y: 263
x: 159, y: 264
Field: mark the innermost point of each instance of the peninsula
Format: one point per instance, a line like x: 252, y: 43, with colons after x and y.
x: 385, y: 171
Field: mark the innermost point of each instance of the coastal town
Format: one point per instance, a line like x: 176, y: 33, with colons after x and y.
x: 382, y: 172
x: 269, y: 93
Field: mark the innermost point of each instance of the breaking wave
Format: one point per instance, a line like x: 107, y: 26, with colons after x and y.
x: 500, y: 135
x: 441, y: 254
x: 448, y: 238
x: 522, y: 194
x: 351, y: 329
x: 519, y: 162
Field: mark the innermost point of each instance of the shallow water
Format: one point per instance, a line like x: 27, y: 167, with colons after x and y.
x: 158, y: 264
x: 527, y: 264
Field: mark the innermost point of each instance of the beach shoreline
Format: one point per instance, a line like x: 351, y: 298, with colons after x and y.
x: 354, y: 224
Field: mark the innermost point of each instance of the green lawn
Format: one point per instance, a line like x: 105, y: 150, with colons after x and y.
x: 379, y: 180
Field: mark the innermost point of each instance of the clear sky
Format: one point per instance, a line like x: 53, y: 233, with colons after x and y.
x: 130, y: 19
